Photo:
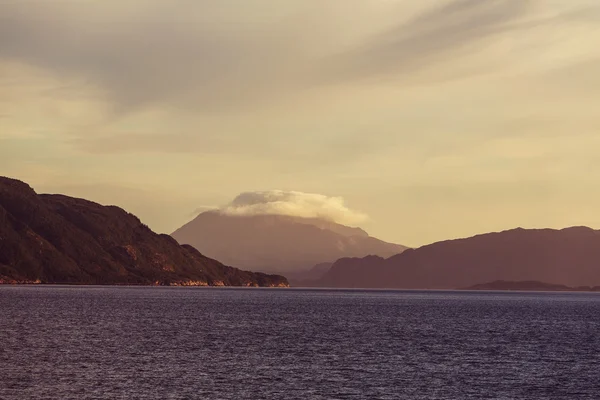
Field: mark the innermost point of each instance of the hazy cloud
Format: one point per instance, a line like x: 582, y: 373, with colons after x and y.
x: 212, y: 56
x: 207, y: 55
x: 291, y: 203
x: 444, y: 30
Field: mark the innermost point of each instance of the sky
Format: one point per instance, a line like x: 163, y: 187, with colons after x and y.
x: 429, y: 119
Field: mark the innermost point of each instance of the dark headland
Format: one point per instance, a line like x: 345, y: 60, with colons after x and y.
x: 59, y: 239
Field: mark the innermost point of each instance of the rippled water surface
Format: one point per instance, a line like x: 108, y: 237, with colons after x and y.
x: 186, y: 343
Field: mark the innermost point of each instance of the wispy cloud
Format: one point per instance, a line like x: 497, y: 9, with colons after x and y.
x: 449, y: 29
x: 203, y: 55
x: 211, y: 57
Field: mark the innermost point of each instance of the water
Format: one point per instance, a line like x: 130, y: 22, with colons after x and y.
x: 185, y: 343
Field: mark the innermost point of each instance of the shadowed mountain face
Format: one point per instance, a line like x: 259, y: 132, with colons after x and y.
x: 567, y: 257
x: 58, y: 239
x: 278, y: 243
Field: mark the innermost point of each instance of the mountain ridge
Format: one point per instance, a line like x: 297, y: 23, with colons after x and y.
x: 569, y: 256
x: 51, y: 238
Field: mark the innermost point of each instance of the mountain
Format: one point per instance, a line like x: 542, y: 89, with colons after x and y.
x: 278, y: 243
x: 567, y: 257
x: 531, y: 286
x: 318, y: 270
x: 59, y: 239
x: 308, y: 277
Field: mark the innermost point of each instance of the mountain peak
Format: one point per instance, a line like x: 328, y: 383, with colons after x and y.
x: 279, y: 243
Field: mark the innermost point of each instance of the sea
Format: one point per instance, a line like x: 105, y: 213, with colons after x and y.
x: 69, y: 342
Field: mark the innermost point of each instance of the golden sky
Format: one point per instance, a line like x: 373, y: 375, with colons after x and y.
x: 435, y: 118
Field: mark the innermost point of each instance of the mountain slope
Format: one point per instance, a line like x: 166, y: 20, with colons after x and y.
x: 278, y: 243
x: 58, y: 239
x: 568, y: 257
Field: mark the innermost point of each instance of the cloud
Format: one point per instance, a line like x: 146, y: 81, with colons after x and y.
x: 203, y: 55
x: 233, y: 58
x: 154, y: 55
x: 215, y: 56
x: 430, y: 38
x: 296, y: 204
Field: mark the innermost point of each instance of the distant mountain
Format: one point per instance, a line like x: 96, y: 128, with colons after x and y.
x: 309, y: 277
x: 531, y: 286
x: 278, y: 243
x: 568, y: 257
x: 318, y: 270
x: 59, y: 239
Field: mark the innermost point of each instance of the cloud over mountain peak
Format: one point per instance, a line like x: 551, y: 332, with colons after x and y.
x: 293, y: 203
